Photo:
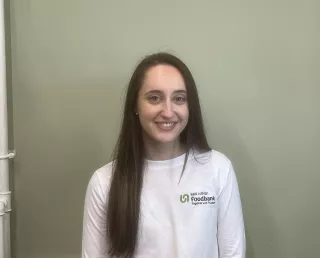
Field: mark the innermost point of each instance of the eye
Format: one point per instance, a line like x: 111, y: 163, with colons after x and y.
x: 180, y: 99
x: 154, y: 98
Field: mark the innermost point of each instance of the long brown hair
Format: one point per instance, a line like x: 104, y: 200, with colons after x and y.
x: 123, y: 209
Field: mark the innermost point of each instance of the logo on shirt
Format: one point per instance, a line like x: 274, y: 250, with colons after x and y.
x: 198, y: 198
x: 184, y: 198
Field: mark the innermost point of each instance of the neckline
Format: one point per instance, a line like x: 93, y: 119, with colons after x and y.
x: 179, y: 160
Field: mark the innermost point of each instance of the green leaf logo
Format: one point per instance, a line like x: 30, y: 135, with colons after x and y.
x: 184, y: 198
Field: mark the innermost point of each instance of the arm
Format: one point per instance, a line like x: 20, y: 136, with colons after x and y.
x: 231, y: 233
x: 94, y: 221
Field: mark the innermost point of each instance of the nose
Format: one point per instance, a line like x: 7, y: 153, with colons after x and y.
x: 167, y: 110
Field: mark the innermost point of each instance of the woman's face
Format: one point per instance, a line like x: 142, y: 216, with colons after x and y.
x: 162, y: 104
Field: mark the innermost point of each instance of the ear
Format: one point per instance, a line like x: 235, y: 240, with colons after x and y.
x: 135, y: 110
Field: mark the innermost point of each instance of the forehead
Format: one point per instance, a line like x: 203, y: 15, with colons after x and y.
x: 164, y: 78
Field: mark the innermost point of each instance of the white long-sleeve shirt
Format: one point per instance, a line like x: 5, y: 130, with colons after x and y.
x: 200, y: 217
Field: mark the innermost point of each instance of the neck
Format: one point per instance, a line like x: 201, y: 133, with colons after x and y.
x: 162, y: 151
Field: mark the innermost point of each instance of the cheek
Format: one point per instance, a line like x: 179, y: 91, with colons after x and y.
x: 185, y: 118
x: 147, y: 116
x: 184, y: 114
x: 146, y: 113
x: 142, y: 109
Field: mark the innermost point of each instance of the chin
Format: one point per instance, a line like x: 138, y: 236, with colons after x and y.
x: 165, y: 140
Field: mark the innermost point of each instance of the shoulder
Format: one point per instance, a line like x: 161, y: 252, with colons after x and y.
x: 220, y: 160
x: 218, y: 166
x: 217, y: 159
x: 104, y: 173
x: 101, y: 179
x: 225, y: 173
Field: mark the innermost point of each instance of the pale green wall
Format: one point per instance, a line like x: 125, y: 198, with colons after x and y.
x: 257, y: 67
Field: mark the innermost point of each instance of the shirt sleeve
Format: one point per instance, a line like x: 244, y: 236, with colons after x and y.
x: 231, y: 233
x: 94, y: 242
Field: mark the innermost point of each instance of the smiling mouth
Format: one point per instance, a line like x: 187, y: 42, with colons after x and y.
x: 166, y: 125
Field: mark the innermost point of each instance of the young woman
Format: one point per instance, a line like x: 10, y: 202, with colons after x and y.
x: 166, y: 194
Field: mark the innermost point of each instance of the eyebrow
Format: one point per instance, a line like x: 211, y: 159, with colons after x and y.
x: 159, y: 91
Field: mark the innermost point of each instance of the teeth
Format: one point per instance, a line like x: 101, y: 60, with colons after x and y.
x: 167, y: 124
